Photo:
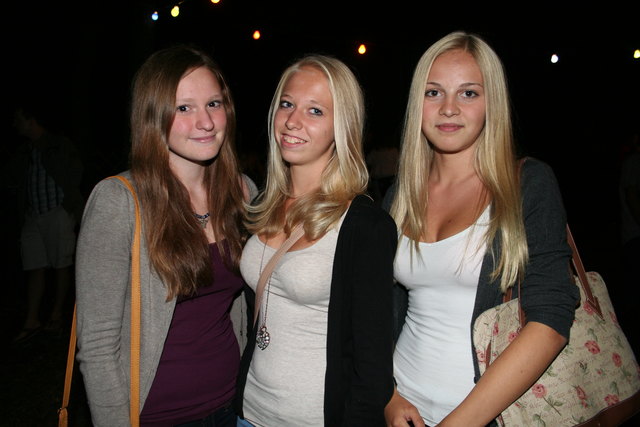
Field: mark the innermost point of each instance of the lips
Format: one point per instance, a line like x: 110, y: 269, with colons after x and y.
x: 449, y: 127
x: 204, y: 139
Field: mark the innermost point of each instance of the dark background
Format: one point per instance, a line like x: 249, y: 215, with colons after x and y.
x: 577, y: 115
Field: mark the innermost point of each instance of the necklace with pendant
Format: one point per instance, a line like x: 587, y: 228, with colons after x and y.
x: 262, y: 337
x: 202, y: 219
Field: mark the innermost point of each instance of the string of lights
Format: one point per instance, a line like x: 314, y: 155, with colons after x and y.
x: 172, y: 11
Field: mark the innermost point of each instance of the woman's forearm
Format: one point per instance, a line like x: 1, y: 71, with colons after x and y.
x: 509, y: 376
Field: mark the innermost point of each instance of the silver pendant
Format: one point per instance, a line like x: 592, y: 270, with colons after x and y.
x: 263, y: 338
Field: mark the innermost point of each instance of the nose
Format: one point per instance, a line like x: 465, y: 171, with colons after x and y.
x: 449, y: 107
x: 204, y: 121
x: 293, y: 120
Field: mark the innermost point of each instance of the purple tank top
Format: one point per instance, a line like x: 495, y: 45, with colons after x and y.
x: 199, y: 363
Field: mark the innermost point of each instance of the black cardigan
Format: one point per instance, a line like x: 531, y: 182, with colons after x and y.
x: 359, y: 372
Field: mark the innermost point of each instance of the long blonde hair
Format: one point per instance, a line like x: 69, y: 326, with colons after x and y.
x: 495, y: 160
x: 344, y: 177
x: 178, y: 249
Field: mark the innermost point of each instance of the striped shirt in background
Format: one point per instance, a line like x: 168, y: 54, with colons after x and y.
x: 43, y: 192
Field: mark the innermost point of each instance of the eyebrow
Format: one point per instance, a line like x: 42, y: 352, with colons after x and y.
x: 462, y: 85
x: 215, y: 96
x: 311, y: 101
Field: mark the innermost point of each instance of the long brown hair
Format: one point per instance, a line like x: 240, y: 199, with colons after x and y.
x: 178, y: 248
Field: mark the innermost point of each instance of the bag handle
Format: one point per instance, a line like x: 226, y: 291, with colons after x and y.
x: 577, y: 266
x: 579, y: 271
x: 63, y: 415
x: 134, y: 405
x: 134, y: 398
x: 295, y: 235
x: 582, y: 275
x: 508, y: 296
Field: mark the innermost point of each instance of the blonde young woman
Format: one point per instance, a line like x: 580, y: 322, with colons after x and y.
x: 472, y: 224
x: 192, y: 199
x: 327, y: 306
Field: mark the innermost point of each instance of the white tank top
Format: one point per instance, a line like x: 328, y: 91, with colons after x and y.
x: 433, y: 363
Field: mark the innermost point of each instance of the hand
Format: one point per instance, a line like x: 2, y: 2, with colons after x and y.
x: 399, y: 412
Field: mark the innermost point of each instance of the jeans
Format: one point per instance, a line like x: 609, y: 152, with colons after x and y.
x: 243, y: 423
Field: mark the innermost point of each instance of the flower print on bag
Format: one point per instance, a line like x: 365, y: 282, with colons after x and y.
x: 611, y: 399
x: 617, y: 360
x: 582, y: 396
x: 539, y: 390
x: 588, y: 308
x: 614, y: 319
x: 592, y: 346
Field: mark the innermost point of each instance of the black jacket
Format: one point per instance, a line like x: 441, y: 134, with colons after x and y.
x: 359, y: 373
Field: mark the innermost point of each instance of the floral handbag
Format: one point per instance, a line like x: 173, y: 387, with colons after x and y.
x: 594, y: 381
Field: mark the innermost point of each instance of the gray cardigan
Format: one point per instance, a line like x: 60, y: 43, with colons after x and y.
x: 549, y: 295
x: 103, y: 297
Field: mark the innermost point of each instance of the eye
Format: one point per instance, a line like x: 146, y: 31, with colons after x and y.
x: 182, y: 108
x: 430, y: 93
x: 215, y: 104
x: 285, y: 104
x: 469, y: 94
x: 316, y: 111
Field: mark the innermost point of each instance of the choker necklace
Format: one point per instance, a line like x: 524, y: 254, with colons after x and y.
x: 202, y: 219
x: 262, y: 337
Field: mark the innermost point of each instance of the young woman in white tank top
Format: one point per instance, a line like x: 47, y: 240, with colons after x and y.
x: 468, y: 231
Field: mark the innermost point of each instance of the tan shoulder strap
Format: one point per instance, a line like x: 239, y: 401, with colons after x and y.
x: 295, y: 235
x: 134, y: 408
x: 63, y: 416
x: 134, y: 400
